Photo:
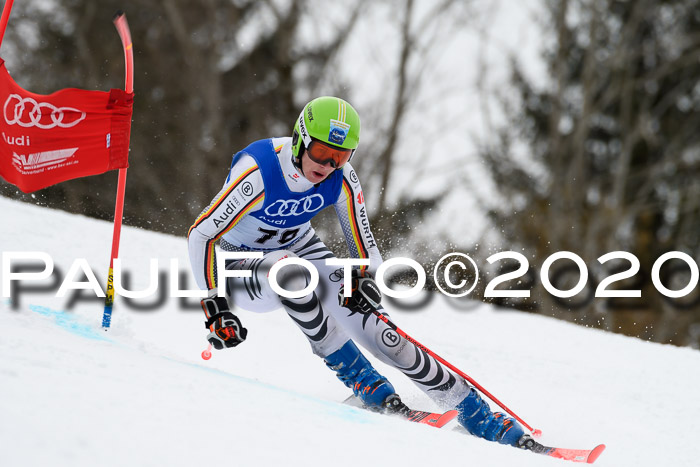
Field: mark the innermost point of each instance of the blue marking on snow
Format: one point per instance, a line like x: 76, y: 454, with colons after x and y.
x: 69, y: 322
x: 331, y: 408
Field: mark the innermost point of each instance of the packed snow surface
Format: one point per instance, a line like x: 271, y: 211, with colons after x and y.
x: 139, y: 394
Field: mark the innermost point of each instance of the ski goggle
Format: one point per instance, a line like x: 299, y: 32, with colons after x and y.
x: 323, y: 154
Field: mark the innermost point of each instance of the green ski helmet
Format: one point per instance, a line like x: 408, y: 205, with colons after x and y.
x: 329, y: 120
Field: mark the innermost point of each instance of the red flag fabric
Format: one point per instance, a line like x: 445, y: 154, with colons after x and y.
x: 47, y: 139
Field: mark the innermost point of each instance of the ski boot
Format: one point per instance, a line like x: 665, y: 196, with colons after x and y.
x: 356, y: 372
x: 476, y: 416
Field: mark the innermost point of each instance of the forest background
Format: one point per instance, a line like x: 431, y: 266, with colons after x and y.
x: 535, y: 127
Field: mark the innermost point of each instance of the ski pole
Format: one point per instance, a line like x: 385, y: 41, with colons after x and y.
x: 535, y: 433
x: 206, y: 354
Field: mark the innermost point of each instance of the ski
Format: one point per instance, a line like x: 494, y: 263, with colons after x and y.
x: 436, y: 419
x: 588, y: 456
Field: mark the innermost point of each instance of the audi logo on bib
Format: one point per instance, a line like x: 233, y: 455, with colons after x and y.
x: 295, y: 207
x: 27, y: 112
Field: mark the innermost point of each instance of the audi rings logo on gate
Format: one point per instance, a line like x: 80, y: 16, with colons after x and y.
x: 295, y: 207
x: 27, y: 112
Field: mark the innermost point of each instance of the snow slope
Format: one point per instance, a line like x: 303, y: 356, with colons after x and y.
x: 140, y: 395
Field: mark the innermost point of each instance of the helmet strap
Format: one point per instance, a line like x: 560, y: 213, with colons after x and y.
x: 296, y: 161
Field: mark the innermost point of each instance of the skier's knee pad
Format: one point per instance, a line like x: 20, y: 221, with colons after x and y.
x: 291, y: 277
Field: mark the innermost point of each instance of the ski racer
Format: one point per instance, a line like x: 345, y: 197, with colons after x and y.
x: 273, y: 189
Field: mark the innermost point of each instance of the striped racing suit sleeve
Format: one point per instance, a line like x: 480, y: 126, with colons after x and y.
x: 352, y: 214
x: 243, y: 193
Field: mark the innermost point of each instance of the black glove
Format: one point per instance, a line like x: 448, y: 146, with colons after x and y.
x: 226, y: 329
x: 365, y: 296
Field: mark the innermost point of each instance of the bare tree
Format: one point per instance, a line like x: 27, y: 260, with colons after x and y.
x: 210, y: 77
x: 613, y: 141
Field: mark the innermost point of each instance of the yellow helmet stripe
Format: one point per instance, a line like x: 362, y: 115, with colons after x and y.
x: 342, y: 111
